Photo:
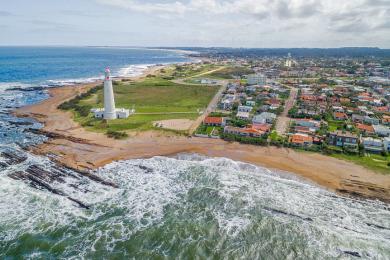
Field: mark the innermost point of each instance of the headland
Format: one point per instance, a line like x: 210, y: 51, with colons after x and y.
x: 74, y: 146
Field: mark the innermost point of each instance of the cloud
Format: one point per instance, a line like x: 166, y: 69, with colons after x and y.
x: 78, y: 13
x: 282, y: 8
x: 172, y: 7
x: 5, y: 13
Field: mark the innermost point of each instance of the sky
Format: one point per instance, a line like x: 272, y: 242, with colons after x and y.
x: 203, y: 23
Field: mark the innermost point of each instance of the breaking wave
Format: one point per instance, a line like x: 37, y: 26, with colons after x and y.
x: 188, y: 206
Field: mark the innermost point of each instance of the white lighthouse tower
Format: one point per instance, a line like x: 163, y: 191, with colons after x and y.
x: 109, y: 111
x: 109, y: 102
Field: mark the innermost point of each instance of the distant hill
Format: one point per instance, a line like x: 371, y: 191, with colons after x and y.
x: 296, y: 52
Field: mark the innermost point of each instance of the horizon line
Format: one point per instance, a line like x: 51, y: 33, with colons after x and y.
x: 199, y: 47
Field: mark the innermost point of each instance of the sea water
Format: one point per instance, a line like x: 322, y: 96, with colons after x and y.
x: 184, y: 207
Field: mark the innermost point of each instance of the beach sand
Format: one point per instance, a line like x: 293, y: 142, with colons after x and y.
x: 92, y: 150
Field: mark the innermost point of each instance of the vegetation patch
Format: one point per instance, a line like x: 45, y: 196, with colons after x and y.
x: 153, y: 98
x: 116, y: 135
x: 374, y: 162
x: 230, y: 73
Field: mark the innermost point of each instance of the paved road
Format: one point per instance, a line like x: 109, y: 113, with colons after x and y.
x: 283, y: 120
x: 213, y: 103
x: 211, y: 107
x: 166, y: 113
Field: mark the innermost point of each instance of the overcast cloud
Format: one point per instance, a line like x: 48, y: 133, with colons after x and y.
x: 236, y: 23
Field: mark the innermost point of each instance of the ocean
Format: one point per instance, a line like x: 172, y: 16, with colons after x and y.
x: 182, y: 207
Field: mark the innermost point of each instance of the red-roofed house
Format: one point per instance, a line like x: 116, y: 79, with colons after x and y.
x: 261, y: 127
x: 301, y: 140
x: 214, y: 121
x: 340, y: 116
x: 368, y: 129
x: 249, y: 132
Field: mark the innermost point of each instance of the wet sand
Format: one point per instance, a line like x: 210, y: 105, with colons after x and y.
x: 92, y: 150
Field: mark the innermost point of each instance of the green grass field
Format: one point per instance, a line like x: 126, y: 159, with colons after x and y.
x: 230, y: 72
x: 374, y: 162
x: 152, y: 95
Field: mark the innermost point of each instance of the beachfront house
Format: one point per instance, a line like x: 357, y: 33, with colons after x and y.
x: 386, y: 144
x: 343, y: 139
x: 214, y: 121
x: 302, y: 140
x: 372, y: 144
x: 246, y: 132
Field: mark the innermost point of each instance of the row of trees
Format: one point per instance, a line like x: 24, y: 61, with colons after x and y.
x: 82, y: 110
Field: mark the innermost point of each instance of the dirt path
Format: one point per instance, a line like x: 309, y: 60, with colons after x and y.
x: 211, y: 107
x: 213, y: 103
x: 283, y: 120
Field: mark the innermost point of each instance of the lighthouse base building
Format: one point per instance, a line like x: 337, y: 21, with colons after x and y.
x: 109, y: 112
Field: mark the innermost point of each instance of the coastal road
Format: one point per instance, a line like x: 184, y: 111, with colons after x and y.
x: 166, y: 113
x: 213, y: 103
x: 283, y: 120
x: 211, y: 107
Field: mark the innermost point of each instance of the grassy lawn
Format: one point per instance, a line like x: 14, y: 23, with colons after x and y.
x: 208, y: 130
x: 187, y: 71
x: 135, y: 122
x: 229, y: 72
x: 334, y: 125
x: 374, y: 162
x: 152, y: 95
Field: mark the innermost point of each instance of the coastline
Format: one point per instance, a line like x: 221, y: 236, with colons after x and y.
x: 92, y: 150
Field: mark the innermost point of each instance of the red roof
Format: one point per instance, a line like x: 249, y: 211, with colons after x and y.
x: 300, y: 139
x: 262, y: 127
x: 273, y: 101
x: 340, y: 115
x: 213, y: 120
x: 365, y: 128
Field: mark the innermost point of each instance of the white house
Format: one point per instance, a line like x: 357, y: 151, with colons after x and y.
x: 386, y: 143
x: 381, y: 130
x: 264, y: 118
x: 244, y: 108
x: 243, y: 115
x: 372, y: 145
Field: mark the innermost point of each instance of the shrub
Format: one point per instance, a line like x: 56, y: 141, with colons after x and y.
x: 116, y: 135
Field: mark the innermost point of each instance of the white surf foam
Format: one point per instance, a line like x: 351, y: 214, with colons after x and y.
x: 242, y: 199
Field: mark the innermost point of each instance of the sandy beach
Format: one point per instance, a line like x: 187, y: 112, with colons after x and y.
x: 76, y: 147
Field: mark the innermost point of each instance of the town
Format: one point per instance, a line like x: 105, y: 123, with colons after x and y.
x: 338, y: 106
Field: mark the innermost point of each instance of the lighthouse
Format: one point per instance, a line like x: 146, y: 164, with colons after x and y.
x: 109, y: 111
x: 109, y: 102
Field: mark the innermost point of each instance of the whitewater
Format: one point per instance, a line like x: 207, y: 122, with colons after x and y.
x: 188, y: 206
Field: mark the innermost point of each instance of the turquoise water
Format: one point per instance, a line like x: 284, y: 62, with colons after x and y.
x: 186, y: 207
